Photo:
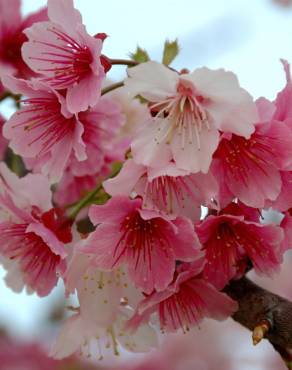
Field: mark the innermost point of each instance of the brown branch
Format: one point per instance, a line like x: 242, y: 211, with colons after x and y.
x: 112, y: 87
x: 125, y: 62
x: 256, y: 306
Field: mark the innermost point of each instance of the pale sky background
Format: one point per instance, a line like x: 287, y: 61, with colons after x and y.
x: 245, y: 36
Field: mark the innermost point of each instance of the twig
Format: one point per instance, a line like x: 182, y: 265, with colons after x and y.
x: 125, y: 62
x: 257, y: 307
x: 112, y: 87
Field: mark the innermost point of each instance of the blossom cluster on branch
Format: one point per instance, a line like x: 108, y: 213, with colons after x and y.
x: 144, y: 197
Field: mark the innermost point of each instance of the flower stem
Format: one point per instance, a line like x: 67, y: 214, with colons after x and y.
x: 124, y: 62
x: 84, y: 202
x: 112, y: 87
x: 89, y: 197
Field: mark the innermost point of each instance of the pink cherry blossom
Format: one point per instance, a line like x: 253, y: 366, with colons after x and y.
x: 43, y: 129
x: 185, y: 302
x: 52, y: 140
x: 146, y: 242
x: 249, y: 169
x: 104, y: 298
x: 67, y: 56
x: 190, y: 109
x: 230, y: 239
x: 12, y: 37
x: 170, y: 191
x: 32, y: 233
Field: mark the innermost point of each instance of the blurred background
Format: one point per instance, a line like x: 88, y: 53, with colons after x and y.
x: 247, y: 37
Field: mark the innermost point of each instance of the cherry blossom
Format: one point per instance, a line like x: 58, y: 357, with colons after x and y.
x: 43, y: 129
x: 282, y: 112
x: 144, y: 240
x: 190, y: 109
x: 33, y: 234
x: 51, y: 139
x: 185, y: 302
x: 67, y: 56
x: 231, y: 238
x: 170, y: 191
x: 151, y: 197
x: 249, y: 169
x: 105, y: 299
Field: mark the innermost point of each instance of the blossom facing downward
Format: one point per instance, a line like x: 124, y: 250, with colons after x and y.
x: 230, y: 239
x: 43, y: 129
x: 249, y: 169
x: 146, y: 242
x: 185, y: 302
x: 189, y: 110
x: 66, y: 55
x: 32, y: 233
x: 171, y: 191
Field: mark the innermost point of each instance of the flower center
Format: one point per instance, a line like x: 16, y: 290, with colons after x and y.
x: 181, y: 310
x: 242, y: 155
x: 43, y: 115
x: 33, y: 253
x: 139, y: 237
x: 170, y: 194
x: 186, y: 114
x: 70, y: 60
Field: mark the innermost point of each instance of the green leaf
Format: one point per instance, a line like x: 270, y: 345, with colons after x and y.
x: 140, y: 55
x: 171, y: 50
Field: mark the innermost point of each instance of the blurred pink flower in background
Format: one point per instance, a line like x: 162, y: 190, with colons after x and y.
x: 12, y: 38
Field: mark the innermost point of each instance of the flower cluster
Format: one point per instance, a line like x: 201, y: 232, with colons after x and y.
x: 146, y: 200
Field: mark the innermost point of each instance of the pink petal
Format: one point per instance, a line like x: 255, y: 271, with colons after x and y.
x: 64, y: 13
x: 227, y: 100
x: 114, y: 210
x: 152, y: 80
x: 195, y: 156
x: 188, y: 246
x: 266, y: 109
x: 48, y: 237
x: 101, y: 245
x: 149, y: 146
x: 218, y: 305
x: 284, y: 200
x: 83, y: 94
x: 125, y: 181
